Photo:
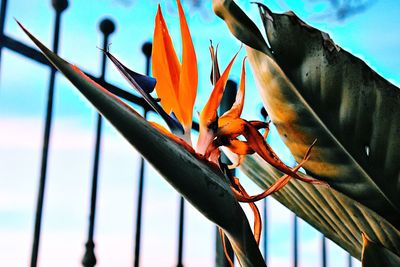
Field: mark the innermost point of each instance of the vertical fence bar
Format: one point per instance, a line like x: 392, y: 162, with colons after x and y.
x: 89, y: 259
x: 265, y: 228
x: 227, y: 101
x: 3, y: 9
x: 323, y: 252
x: 59, y: 6
x: 146, y: 49
x: 139, y: 210
x: 264, y: 115
x: 295, y: 241
x: 181, y: 231
x: 350, y: 261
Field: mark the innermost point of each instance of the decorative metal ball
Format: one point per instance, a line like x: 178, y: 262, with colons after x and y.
x: 59, y: 5
x: 107, y: 26
x: 146, y: 49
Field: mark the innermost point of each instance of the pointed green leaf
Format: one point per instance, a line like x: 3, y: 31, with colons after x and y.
x: 239, y: 24
x: 358, y: 108
x: 313, y: 89
x: 202, y: 185
x: 356, y: 114
x: 299, y: 125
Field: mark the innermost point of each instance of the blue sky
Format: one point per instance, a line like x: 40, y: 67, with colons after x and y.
x: 371, y: 35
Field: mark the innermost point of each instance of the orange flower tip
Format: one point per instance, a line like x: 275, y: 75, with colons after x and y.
x: 365, y: 239
x: 158, y: 13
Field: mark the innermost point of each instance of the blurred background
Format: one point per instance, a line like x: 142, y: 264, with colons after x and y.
x: 368, y: 29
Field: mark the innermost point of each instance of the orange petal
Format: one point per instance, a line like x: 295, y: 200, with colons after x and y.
x: 206, y: 137
x: 237, y: 107
x: 211, y: 147
x: 236, y: 127
x: 279, y: 184
x: 257, y: 218
x: 228, y: 258
x: 257, y: 226
x: 261, y: 125
x: 230, y: 127
x: 188, y: 76
x: 209, y: 112
x: 236, y: 146
x: 257, y: 142
x: 239, y: 147
x: 208, y: 116
x: 166, y: 67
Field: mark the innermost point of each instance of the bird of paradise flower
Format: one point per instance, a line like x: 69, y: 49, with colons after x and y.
x: 175, y: 83
x: 176, y: 86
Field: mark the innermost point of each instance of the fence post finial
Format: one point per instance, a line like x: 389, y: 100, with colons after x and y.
x: 107, y: 26
x: 59, y: 5
x: 146, y: 49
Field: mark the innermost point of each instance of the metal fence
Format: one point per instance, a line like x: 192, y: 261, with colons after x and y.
x: 107, y: 27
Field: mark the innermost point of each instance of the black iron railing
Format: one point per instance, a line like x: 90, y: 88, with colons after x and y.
x: 107, y: 27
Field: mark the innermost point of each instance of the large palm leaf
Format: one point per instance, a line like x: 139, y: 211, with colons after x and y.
x: 311, y: 89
